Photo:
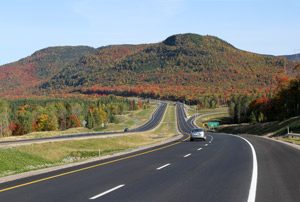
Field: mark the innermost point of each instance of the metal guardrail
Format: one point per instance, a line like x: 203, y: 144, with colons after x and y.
x: 292, y: 135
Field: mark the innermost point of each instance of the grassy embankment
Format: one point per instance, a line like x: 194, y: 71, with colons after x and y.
x: 127, y: 120
x: 295, y: 140
x: 191, y: 110
x: 36, y: 156
x: 274, y: 128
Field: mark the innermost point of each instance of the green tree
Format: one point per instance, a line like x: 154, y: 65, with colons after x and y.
x: 90, y: 120
x: 4, y: 118
x: 26, y: 120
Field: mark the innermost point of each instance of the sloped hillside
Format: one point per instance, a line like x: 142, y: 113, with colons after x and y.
x: 21, y: 76
x: 192, y: 63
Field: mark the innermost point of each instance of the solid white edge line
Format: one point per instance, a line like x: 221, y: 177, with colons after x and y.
x: 163, y: 166
x: 212, y: 138
x: 252, y: 190
x: 187, y: 155
x: 106, y: 192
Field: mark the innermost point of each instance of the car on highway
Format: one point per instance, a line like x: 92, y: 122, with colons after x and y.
x: 198, y: 133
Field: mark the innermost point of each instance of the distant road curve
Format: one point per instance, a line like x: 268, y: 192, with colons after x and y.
x: 152, y: 123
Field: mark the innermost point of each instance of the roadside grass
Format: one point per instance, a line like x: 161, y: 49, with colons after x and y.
x: 12, y: 160
x: 167, y: 126
x: 48, y: 134
x: 274, y: 128
x: 36, y: 156
x: 295, y: 140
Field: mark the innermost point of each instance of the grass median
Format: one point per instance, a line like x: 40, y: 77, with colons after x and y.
x: 36, y: 156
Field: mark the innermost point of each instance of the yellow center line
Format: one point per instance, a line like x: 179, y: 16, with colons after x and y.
x: 97, y: 165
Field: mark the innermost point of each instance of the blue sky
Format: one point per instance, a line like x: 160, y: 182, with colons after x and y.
x: 260, y: 26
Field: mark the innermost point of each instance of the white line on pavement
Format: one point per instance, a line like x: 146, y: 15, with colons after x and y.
x: 205, y: 144
x: 187, y: 155
x: 199, y: 149
x: 163, y: 166
x: 252, y: 190
x: 106, y: 192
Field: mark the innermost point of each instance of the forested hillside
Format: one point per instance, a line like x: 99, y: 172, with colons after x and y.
x: 295, y: 57
x: 187, y: 67
x: 20, y: 77
x: 184, y: 66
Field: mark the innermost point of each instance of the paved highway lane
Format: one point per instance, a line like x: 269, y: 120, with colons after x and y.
x: 278, y: 171
x: 182, y: 171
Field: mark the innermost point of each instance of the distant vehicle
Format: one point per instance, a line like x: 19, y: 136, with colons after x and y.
x: 198, y: 133
x: 126, y: 130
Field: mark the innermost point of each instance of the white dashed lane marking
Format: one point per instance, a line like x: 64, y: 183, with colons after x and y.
x: 106, y: 192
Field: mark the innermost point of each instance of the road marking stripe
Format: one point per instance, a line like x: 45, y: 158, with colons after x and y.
x: 252, y: 190
x: 205, y: 144
x: 199, y: 149
x: 187, y: 155
x: 163, y: 166
x: 106, y: 192
x: 97, y: 165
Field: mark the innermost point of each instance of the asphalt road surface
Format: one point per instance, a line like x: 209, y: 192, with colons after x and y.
x: 219, y: 169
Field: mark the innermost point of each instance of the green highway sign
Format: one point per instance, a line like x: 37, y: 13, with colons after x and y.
x: 213, y: 124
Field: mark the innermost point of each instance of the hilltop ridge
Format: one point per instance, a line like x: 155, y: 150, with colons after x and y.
x: 192, y: 63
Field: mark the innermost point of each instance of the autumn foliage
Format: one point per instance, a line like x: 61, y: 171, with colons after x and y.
x: 22, y: 116
x: 183, y: 67
x: 283, y: 104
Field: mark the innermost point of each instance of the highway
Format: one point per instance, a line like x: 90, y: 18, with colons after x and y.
x: 152, y: 123
x: 219, y: 169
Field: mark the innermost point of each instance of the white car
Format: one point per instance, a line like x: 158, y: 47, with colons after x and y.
x: 198, y: 133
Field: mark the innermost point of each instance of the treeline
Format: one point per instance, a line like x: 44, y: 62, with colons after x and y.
x: 188, y: 95
x: 277, y: 106
x: 22, y: 116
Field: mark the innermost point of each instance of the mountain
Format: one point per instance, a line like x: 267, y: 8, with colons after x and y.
x: 292, y: 61
x: 183, y: 66
x: 20, y: 76
x: 295, y: 57
x: 194, y: 64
